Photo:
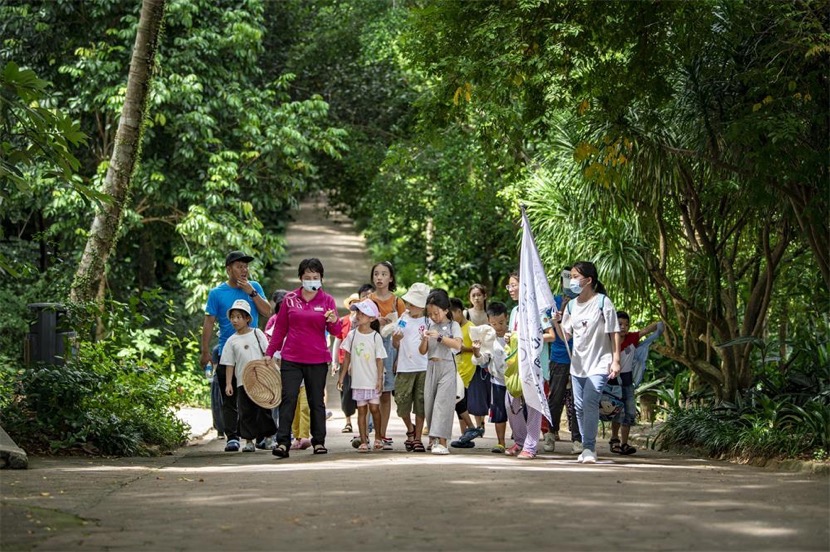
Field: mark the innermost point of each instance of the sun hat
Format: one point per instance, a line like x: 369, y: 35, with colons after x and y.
x: 263, y: 383
x: 367, y: 307
x: 353, y: 298
x: 234, y: 256
x: 486, y: 334
x: 417, y: 295
x: 240, y: 304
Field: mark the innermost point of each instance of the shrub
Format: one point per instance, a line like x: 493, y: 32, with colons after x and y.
x: 115, y: 396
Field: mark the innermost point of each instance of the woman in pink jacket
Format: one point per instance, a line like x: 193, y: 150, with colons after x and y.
x: 300, y: 335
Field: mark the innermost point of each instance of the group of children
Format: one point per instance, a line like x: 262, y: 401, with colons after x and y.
x: 443, y: 367
x: 443, y: 361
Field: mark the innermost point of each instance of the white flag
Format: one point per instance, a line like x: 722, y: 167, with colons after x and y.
x: 535, y: 299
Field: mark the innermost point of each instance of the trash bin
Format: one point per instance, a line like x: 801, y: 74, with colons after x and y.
x: 49, y: 340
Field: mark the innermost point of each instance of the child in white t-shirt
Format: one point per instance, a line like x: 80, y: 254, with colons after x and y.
x: 410, y: 377
x: 247, y: 344
x: 363, y: 359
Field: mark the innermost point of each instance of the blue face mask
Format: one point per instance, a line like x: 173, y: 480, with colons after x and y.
x: 312, y: 285
x: 574, y: 286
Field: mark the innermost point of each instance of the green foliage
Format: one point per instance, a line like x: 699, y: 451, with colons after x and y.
x: 786, y: 415
x: 114, y: 396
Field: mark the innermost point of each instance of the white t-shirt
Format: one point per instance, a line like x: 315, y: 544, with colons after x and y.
x: 364, y: 350
x: 409, y: 359
x: 589, y: 325
x: 240, y: 349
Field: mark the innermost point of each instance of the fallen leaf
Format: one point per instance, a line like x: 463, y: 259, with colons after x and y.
x: 44, y: 494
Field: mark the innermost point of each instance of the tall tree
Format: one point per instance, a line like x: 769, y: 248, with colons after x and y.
x: 89, y: 277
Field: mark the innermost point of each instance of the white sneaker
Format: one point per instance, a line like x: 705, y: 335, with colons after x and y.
x: 588, y: 457
x: 249, y: 447
x: 438, y: 448
x: 576, y: 448
x: 550, y: 442
x: 581, y: 457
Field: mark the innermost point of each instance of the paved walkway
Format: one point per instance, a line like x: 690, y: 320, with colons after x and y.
x: 201, y: 498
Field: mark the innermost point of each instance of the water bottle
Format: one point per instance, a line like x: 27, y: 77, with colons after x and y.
x: 208, y: 370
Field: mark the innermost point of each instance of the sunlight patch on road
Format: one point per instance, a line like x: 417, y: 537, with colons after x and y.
x: 752, y: 528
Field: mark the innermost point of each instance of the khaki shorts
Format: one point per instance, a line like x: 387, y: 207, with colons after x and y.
x: 409, y: 393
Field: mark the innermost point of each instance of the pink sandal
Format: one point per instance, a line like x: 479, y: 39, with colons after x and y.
x: 378, y: 445
x: 363, y: 448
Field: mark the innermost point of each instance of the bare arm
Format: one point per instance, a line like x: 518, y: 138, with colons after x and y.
x: 651, y: 328
x: 229, y: 380
x: 347, y: 359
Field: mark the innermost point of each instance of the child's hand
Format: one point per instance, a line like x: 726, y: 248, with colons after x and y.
x: 339, y: 385
x: 477, y: 348
x: 431, y: 333
x: 379, y: 386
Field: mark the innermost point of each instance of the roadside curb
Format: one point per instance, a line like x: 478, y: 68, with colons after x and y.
x: 11, y: 455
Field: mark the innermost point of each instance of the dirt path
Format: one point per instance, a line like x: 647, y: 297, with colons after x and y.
x: 204, y: 499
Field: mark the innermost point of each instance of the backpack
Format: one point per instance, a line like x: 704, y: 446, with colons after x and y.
x: 511, y: 371
x: 610, y: 402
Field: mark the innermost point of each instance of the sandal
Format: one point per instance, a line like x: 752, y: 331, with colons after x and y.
x: 410, y: 437
x: 378, y: 445
x: 627, y: 449
x: 363, y: 448
x: 320, y: 449
x: 347, y: 429
x: 418, y: 446
x: 280, y: 451
x: 615, y: 446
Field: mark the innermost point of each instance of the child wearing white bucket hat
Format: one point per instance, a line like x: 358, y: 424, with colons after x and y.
x: 412, y: 365
x: 246, y: 345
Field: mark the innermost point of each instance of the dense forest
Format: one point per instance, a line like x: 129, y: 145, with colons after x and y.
x: 681, y: 146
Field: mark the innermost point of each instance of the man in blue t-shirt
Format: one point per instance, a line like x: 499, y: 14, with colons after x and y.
x: 559, y: 385
x: 219, y: 301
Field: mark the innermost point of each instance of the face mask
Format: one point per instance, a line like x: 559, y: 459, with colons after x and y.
x: 312, y: 285
x: 574, y: 286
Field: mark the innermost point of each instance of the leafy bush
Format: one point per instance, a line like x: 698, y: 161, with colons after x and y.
x: 115, y: 395
x: 785, y: 414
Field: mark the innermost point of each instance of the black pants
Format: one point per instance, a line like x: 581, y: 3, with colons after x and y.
x: 255, y: 422
x: 230, y: 414
x: 314, y: 376
x: 560, y: 376
x: 347, y: 403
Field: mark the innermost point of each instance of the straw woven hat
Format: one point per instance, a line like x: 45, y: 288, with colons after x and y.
x: 263, y: 383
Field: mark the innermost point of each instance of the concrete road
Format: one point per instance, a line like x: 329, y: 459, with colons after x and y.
x: 204, y: 499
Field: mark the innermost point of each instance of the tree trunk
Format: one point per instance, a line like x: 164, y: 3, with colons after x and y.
x: 104, y: 231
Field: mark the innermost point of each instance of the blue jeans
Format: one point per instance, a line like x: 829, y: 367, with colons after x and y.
x: 587, y: 392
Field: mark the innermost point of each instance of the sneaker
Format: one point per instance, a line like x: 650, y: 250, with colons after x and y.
x: 249, y: 447
x: 387, y: 444
x: 295, y: 445
x: 304, y: 444
x: 550, y: 443
x: 438, y: 448
x: 581, y: 457
x: 480, y: 431
x: 265, y: 444
x: 462, y: 444
x: 232, y: 446
x: 328, y: 414
x: 588, y: 457
x: 387, y: 440
x: 526, y: 455
x: 576, y: 447
x: 498, y: 449
x: 514, y: 450
x: 470, y: 434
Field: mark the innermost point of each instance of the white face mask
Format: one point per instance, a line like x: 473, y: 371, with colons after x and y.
x: 574, y: 286
x: 312, y: 285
